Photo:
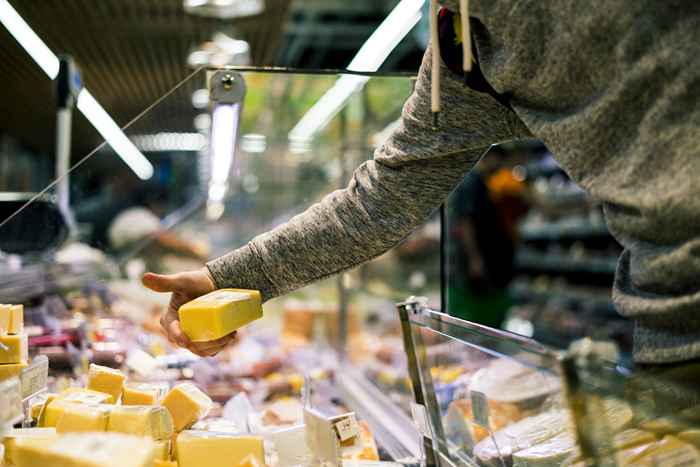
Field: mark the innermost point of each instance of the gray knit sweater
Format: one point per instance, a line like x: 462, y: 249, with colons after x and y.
x: 613, y: 89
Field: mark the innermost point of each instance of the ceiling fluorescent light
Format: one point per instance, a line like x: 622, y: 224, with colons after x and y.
x: 87, y: 104
x: 28, y: 39
x: 115, y: 137
x: 368, y: 59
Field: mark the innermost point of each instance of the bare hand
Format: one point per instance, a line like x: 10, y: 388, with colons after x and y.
x: 185, y: 286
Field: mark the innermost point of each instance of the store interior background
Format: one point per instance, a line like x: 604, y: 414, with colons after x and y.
x: 138, y: 53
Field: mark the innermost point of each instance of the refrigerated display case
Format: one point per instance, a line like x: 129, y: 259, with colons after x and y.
x: 489, y: 397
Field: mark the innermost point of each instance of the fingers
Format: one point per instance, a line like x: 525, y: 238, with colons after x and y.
x: 211, y: 348
x: 161, y: 282
x: 171, y: 325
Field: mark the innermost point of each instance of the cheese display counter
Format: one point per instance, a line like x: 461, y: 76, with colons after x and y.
x: 224, y: 156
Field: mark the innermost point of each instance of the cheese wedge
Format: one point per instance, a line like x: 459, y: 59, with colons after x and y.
x: 142, y: 420
x: 219, y: 313
x: 142, y: 394
x: 11, y: 319
x: 632, y: 437
x: 162, y: 450
x: 200, y: 448
x: 12, y: 369
x: 82, y: 418
x: 551, y: 453
x: 187, y: 404
x: 107, y: 380
x: 20, y: 433
x: 17, y: 348
x: 85, y: 450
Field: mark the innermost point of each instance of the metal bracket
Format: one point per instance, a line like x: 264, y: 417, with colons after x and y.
x: 227, y: 87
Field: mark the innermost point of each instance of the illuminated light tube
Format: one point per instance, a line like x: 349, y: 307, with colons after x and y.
x: 368, y: 59
x: 93, y: 111
x: 27, y: 38
x: 115, y: 137
x: 224, y: 129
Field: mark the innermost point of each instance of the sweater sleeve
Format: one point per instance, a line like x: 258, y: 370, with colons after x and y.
x: 411, y: 174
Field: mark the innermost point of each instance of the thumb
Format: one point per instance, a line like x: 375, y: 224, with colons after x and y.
x: 161, y: 282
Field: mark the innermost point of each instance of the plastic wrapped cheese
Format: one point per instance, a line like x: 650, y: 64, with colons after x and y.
x: 14, y: 348
x: 107, y: 380
x: 205, y: 448
x: 141, y: 420
x: 12, y: 369
x: 521, y: 435
x: 82, y: 418
x: 162, y: 450
x: 550, y: 453
x: 187, y: 404
x: 632, y: 437
x: 11, y: 319
x: 510, y: 382
x: 219, y: 313
x: 85, y: 450
x: 143, y: 393
x: 19, y: 433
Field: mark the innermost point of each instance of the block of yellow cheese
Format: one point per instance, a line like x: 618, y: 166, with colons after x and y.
x: 142, y: 394
x: 219, y: 313
x: 82, y: 418
x: 19, y: 433
x: 141, y: 420
x: 105, y: 379
x: 212, y: 449
x: 163, y: 463
x: 53, y: 410
x: 162, y: 450
x: 187, y: 404
x: 15, y: 350
x: 37, y: 404
x: 11, y: 319
x: 86, y: 396
x: 12, y: 369
x: 85, y: 450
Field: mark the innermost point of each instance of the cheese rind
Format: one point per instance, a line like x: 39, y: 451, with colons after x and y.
x: 11, y: 319
x: 163, y: 463
x: 20, y: 433
x: 199, y: 448
x: 82, y: 418
x: 107, y: 380
x: 187, y: 404
x: 12, y: 369
x: 86, y: 450
x: 141, y: 420
x: 17, y: 348
x: 219, y: 313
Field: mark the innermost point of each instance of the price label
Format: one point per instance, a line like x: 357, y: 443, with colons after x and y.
x: 420, y: 419
x: 10, y: 401
x: 480, y: 409
x: 347, y: 427
x: 34, y: 378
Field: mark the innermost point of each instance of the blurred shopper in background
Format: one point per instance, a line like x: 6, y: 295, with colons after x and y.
x: 482, y: 225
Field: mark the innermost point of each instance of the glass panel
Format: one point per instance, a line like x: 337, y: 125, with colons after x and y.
x: 491, y: 397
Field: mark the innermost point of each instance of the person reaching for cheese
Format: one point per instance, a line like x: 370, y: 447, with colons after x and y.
x: 611, y: 89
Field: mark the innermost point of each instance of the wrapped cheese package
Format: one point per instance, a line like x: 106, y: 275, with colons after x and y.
x: 219, y: 313
x: 85, y: 450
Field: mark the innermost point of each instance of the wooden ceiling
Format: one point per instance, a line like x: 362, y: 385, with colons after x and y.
x: 130, y: 52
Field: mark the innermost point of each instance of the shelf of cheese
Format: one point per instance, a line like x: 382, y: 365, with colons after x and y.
x: 14, y: 348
